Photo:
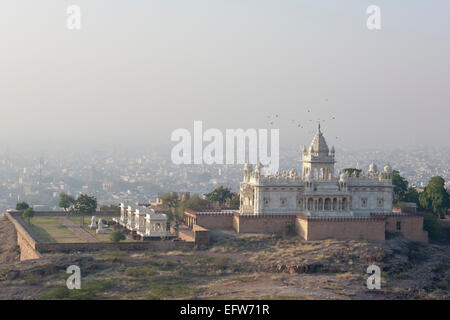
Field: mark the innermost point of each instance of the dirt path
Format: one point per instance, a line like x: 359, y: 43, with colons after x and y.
x: 82, y: 234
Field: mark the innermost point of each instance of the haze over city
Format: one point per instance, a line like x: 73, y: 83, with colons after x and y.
x: 137, y: 70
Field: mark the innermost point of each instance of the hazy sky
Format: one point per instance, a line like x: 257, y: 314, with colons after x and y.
x: 139, y: 69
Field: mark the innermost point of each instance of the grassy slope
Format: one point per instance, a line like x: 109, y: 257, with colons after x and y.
x: 244, y: 267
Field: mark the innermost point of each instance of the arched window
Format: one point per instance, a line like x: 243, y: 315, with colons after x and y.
x: 327, y: 204
x: 334, y: 204
x: 310, y: 203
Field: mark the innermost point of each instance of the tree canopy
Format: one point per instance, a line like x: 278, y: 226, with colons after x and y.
x: 400, y: 186
x: 117, y: 236
x: 65, y: 201
x: 85, y: 204
x: 220, y: 194
x: 22, y: 206
x: 435, y: 197
x: 170, y: 200
x: 194, y: 203
x: 28, y: 214
x: 234, y: 201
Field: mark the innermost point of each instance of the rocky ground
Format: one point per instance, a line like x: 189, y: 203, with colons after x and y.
x: 234, y: 267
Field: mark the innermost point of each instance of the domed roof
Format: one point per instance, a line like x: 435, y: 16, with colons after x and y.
x: 373, y: 168
x: 387, y: 168
x: 318, y: 143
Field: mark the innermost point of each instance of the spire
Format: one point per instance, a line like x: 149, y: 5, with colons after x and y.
x: 318, y: 143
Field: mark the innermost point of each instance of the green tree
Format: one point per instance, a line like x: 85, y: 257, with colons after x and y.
x: 432, y: 224
x: 435, y: 197
x: 171, y: 201
x: 65, y: 201
x: 220, y: 194
x: 28, y: 214
x: 84, y: 205
x: 411, y: 195
x: 22, y: 206
x: 117, y: 236
x: 234, y: 201
x: 193, y: 203
x: 400, y: 186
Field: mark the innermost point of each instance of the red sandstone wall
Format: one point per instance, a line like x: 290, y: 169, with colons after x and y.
x: 353, y: 228
x: 263, y: 223
x: 25, y: 241
x: 411, y: 227
x: 63, y: 213
x: 217, y: 221
x: 94, y: 246
x: 301, y: 227
x: 201, y: 235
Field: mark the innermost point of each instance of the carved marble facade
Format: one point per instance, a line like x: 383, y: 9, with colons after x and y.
x: 317, y: 191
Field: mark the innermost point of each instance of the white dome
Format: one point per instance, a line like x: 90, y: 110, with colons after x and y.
x: 387, y: 169
x: 373, y: 168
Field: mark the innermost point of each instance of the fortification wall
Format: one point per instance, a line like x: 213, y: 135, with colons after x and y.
x: 201, y: 235
x: 263, y: 223
x: 63, y: 213
x: 301, y: 228
x: 25, y: 240
x: 411, y: 227
x: 342, y: 228
x: 95, y: 246
x: 215, y: 221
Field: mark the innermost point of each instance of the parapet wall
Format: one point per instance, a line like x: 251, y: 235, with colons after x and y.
x: 211, y: 219
x: 201, y: 235
x: 319, y: 228
x: 64, y: 213
x: 215, y: 221
x: 95, y: 246
x: 411, y: 226
x: 262, y: 223
x: 31, y: 248
x: 25, y: 240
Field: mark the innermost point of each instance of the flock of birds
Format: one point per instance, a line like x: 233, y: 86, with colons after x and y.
x: 272, y: 120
